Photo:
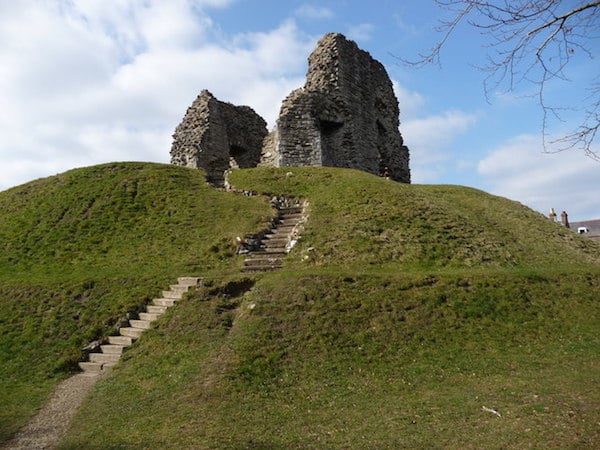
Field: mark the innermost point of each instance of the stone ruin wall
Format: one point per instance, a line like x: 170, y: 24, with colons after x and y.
x: 346, y: 115
x: 216, y: 136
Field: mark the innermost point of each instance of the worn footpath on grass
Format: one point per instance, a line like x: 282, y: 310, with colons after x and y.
x: 50, y: 424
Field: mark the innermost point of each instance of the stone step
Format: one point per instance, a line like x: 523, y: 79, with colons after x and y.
x: 189, y: 281
x: 183, y: 288
x: 261, y: 268
x: 131, y: 332
x: 172, y: 294
x: 291, y: 210
x: 164, y: 301
x: 296, y: 218
x: 268, y: 253
x: 91, y: 366
x: 273, y: 238
x: 112, y: 348
x: 104, y: 357
x: 277, y: 234
x: 265, y: 257
x: 287, y: 221
x: 283, y: 229
x: 271, y: 251
x: 274, y: 247
x: 263, y: 262
x: 278, y: 242
x: 280, y: 234
x: 272, y: 244
x: 120, y: 340
x: 154, y: 309
x: 150, y: 317
x: 253, y: 269
x: 277, y: 238
x: 143, y: 324
x: 291, y: 215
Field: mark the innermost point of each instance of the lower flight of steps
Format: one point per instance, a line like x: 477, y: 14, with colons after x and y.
x: 111, y: 351
x: 278, y: 241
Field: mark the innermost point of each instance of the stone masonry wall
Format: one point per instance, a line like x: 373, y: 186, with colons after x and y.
x: 346, y: 115
x: 215, y: 136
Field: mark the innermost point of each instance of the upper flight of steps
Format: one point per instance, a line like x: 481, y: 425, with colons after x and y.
x: 278, y: 241
x: 111, y: 351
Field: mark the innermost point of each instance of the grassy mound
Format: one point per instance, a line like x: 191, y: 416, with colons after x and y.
x: 81, y: 249
x: 404, y: 315
x: 392, y: 361
x: 360, y: 221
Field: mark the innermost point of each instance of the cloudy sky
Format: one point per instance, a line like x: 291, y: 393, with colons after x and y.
x: 84, y: 82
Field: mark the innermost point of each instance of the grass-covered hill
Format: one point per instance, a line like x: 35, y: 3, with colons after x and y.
x: 401, y: 315
x: 81, y: 249
x: 359, y: 222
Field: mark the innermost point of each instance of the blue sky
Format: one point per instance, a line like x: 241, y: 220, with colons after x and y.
x: 84, y: 82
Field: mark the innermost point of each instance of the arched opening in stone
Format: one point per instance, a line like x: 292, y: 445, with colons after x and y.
x: 331, y: 133
x: 238, y: 157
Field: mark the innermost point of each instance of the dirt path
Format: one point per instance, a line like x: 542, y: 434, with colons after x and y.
x: 50, y: 424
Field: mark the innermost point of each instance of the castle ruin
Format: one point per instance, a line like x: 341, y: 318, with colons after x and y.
x: 346, y: 115
x: 217, y: 136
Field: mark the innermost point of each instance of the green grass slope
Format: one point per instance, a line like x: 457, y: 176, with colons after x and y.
x: 402, y: 313
x: 360, y: 362
x: 360, y: 221
x: 81, y: 249
x: 405, y: 315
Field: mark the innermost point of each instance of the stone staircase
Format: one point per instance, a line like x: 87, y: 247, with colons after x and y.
x: 111, y: 351
x: 273, y: 246
x: 279, y: 240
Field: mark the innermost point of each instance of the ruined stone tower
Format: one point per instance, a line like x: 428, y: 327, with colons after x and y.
x: 216, y: 136
x: 346, y: 115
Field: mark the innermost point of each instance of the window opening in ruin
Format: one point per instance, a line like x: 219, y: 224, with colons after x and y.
x: 330, y: 141
x: 236, y: 157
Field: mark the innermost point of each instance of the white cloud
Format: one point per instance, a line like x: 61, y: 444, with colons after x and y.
x: 308, y: 11
x: 410, y: 102
x: 361, y: 32
x: 565, y: 181
x: 90, y: 82
x: 137, y: 25
x: 432, y: 133
x: 406, y: 27
x: 429, y: 138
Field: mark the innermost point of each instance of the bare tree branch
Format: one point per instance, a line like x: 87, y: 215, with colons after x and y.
x: 533, y: 42
x: 562, y: 19
x: 433, y: 54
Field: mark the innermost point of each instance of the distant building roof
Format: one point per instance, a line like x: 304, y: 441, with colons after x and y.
x: 593, y: 224
x: 593, y: 227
